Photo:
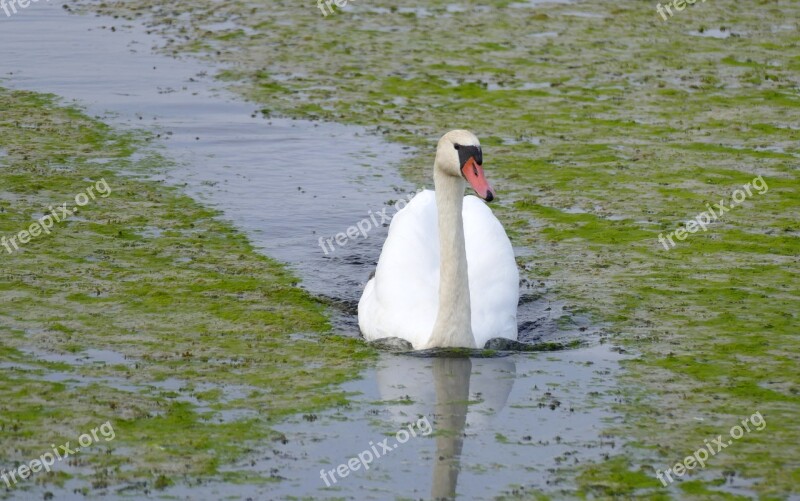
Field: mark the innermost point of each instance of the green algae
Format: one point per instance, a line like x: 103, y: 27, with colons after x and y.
x: 198, y: 321
x: 633, y: 126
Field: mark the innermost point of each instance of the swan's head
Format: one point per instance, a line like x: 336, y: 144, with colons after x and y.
x: 459, y: 154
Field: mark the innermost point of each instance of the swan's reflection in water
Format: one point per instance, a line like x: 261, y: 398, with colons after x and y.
x: 452, y: 379
x: 461, y: 394
x: 550, y: 408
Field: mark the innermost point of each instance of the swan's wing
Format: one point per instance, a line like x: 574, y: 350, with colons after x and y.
x: 402, y: 299
x: 493, y: 274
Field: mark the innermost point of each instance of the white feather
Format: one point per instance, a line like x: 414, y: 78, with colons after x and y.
x: 402, y: 299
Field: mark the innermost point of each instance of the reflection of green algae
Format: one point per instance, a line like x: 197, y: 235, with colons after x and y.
x: 195, y: 308
x: 632, y: 127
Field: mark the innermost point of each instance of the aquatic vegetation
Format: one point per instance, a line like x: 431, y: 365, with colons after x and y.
x: 158, y: 332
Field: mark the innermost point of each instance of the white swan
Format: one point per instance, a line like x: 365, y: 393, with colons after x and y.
x: 447, y: 275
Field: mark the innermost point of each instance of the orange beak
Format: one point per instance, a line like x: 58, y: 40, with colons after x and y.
x: 477, y: 179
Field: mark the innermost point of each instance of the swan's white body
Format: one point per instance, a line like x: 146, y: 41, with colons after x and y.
x: 403, y: 298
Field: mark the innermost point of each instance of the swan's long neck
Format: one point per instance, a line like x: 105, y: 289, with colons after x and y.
x: 453, y: 327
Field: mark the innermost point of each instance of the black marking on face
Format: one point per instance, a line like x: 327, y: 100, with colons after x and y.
x: 467, y: 152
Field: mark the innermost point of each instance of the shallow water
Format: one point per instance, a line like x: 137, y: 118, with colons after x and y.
x: 286, y: 184
x: 514, y: 419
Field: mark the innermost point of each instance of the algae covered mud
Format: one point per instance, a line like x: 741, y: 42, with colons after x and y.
x: 606, y: 127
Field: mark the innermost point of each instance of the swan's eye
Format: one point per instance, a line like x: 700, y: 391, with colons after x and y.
x: 456, y: 146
